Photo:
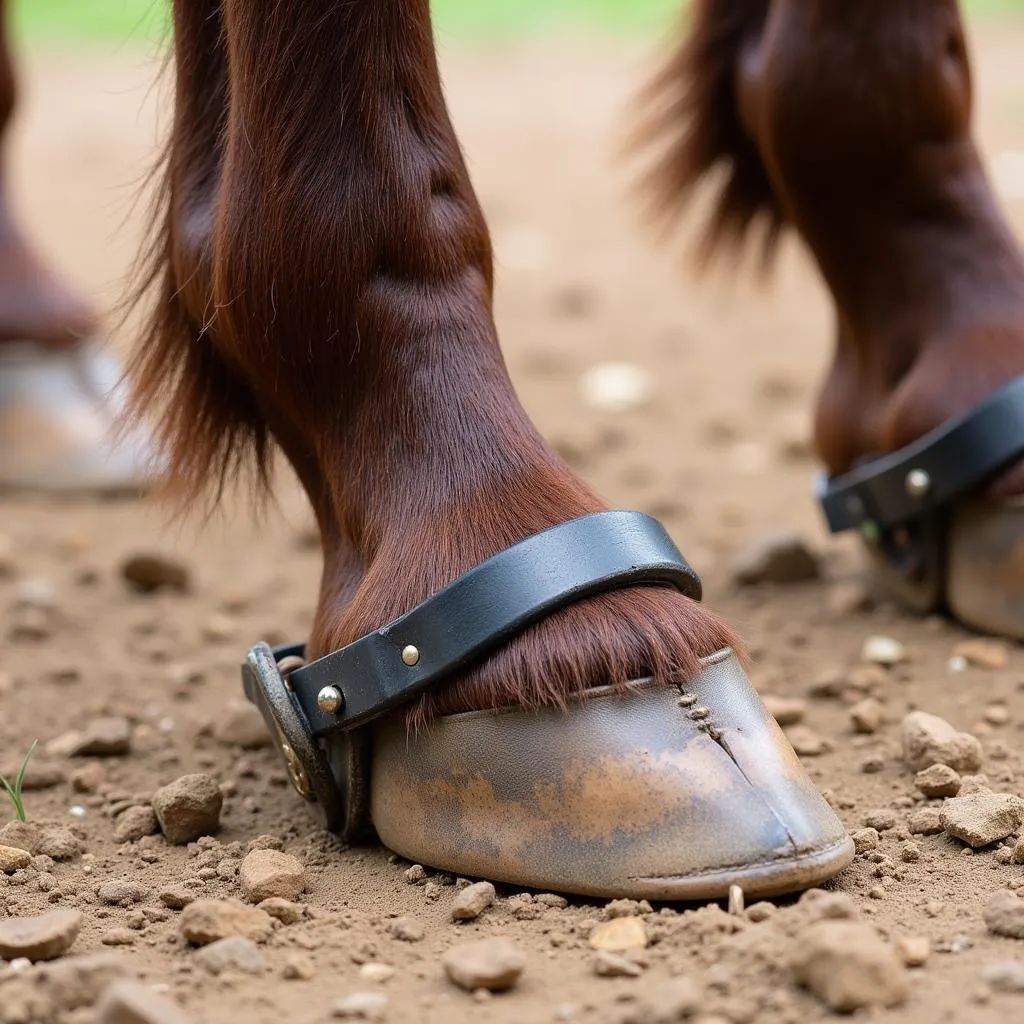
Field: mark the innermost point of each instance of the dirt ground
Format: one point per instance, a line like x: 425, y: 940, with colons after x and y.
x: 719, y: 453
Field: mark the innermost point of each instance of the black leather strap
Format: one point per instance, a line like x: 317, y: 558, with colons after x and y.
x: 954, y: 459
x: 485, y: 607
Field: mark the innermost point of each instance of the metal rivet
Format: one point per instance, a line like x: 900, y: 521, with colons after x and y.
x: 698, y: 713
x: 410, y: 654
x: 330, y: 700
x: 296, y: 772
x: 918, y: 483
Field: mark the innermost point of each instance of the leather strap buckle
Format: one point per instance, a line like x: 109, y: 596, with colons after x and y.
x: 899, y: 501
x: 317, y: 714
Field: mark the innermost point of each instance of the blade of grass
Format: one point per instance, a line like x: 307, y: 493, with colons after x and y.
x: 20, y: 782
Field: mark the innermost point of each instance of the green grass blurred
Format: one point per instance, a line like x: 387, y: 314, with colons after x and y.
x: 124, y: 20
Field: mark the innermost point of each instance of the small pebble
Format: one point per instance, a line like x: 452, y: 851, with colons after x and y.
x: 883, y: 650
x: 938, y: 781
x: 612, y: 965
x: 362, y: 1006
x: 471, y: 902
x: 188, y: 808
x: 265, y: 874
x: 785, y: 710
x: 866, y: 715
x: 988, y: 654
x: 620, y: 934
x: 774, y: 557
x: 44, y: 937
x: 407, y: 929
x: 494, y: 964
x: 915, y: 949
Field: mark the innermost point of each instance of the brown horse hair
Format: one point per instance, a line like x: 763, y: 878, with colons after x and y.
x: 322, y: 276
x: 207, y: 424
x: 689, y: 130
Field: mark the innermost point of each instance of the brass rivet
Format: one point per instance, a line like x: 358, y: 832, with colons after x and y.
x: 296, y: 772
x: 410, y: 654
x: 330, y: 700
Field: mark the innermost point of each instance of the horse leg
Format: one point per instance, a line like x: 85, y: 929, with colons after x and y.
x: 326, y: 280
x: 35, y: 305
x: 851, y: 123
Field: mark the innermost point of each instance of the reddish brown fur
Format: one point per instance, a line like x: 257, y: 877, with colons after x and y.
x: 851, y: 121
x: 690, y: 124
x: 323, y: 278
x: 34, y: 304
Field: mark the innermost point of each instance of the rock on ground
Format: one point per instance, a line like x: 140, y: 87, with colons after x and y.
x: 665, y: 1003
x: 982, y: 817
x: 105, y: 737
x: 120, y: 892
x: 362, y: 1006
x: 774, y: 557
x: 866, y: 715
x: 188, y: 808
x: 130, y: 1002
x: 848, y: 967
x: 58, y: 843
x: 1004, y: 976
x: 1005, y: 915
x: 206, y: 921
x: 928, y: 740
x: 883, y: 650
x: 233, y: 953
x: 266, y: 874
x: 915, y: 949
x: 991, y: 654
x: 134, y: 823
x: 407, y: 929
x: 13, y: 859
x: 471, y: 902
x: 22, y: 835
x: 39, y: 938
x: 785, y: 710
x: 149, y: 572
x: 613, y: 965
x: 241, y: 725
x: 926, y: 821
x: 620, y: 934
x: 806, y: 742
x: 283, y: 910
x: 494, y: 964
x: 938, y: 780
x: 76, y: 981
x: 177, y: 897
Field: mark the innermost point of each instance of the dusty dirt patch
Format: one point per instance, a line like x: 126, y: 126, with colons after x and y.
x: 718, y: 452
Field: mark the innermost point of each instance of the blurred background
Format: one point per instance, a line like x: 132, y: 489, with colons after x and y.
x: 121, y: 19
x: 542, y: 95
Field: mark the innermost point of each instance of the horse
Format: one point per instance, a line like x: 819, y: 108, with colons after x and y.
x: 321, y: 281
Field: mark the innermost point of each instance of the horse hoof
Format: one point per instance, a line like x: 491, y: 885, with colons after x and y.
x: 661, y: 792
x: 59, y: 410
x: 985, y: 570
x: 935, y: 544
